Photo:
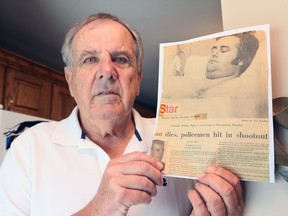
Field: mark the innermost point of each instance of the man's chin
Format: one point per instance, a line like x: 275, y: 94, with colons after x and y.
x: 209, y: 75
x: 110, y: 112
x: 108, y: 99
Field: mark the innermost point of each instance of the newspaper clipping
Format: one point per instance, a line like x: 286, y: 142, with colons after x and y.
x: 215, y: 105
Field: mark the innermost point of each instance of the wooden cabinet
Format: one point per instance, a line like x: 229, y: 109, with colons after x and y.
x: 30, y: 88
x: 2, y: 76
x: 27, y: 94
x: 61, y: 103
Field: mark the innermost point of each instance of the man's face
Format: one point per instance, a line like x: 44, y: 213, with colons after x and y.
x: 104, y: 80
x: 157, y: 151
x: 222, y: 54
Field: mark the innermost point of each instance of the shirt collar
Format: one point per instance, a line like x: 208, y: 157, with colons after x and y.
x: 136, y: 133
x: 70, y: 134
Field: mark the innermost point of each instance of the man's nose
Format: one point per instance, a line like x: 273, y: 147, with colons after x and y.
x: 106, y: 69
x: 214, y: 54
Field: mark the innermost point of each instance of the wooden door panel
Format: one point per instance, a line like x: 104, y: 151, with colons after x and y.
x: 2, y: 77
x: 62, y: 103
x: 27, y: 94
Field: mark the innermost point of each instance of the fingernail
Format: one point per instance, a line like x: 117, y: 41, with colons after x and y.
x: 160, y: 165
x: 200, y: 175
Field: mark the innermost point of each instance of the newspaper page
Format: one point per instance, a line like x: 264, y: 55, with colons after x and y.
x: 215, y: 105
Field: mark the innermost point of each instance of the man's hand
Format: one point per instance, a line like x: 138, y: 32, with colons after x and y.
x: 127, y: 181
x: 217, y: 193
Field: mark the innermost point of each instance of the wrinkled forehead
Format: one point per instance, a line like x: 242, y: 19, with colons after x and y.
x: 103, y: 32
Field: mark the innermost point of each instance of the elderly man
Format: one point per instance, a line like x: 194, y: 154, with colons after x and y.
x: 95, y: 162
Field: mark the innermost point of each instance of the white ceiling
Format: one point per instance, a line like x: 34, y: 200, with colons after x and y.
x: 36, y: 28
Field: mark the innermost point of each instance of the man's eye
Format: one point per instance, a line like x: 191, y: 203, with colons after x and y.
x: 90, y: 60
x: 121, y: 60
x: 225, y: 49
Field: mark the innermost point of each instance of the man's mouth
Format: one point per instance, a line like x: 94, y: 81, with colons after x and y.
x: 212, y: 61
x: 107, y: 93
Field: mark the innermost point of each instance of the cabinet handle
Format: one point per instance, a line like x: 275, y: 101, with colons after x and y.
x: 10, y: 101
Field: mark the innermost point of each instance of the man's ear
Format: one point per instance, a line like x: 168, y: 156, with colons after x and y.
x: 68, y: 77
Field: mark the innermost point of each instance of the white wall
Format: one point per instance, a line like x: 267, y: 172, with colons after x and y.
x: 244, y: 13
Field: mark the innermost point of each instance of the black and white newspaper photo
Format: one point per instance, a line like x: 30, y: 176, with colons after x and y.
x: 215, y: 105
